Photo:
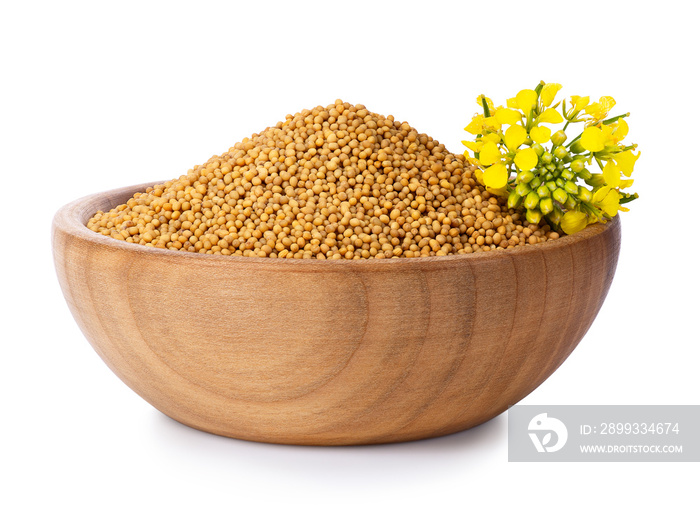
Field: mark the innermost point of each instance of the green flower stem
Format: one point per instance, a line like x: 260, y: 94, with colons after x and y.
x: 627, y: 198
x: 613, y: 119
x: 538, y: 89
x: 600, y: 164
x: 594, y: 211
x: 487, y: 112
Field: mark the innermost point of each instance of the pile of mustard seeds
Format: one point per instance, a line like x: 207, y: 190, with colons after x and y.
x: 338, y: 182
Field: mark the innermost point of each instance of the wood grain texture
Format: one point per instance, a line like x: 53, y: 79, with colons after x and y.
x: 330, y: 352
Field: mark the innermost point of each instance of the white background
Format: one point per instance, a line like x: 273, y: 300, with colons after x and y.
x: 97, y: 95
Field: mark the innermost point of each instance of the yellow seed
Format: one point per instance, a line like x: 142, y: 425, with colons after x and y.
x: 335, y: 182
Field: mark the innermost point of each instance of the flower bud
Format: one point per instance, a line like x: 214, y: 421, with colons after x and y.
x: 551, y: 185
x: 577, y: 147
x: 531, y: 200
x: 525, y: 176
x: 577, y: 165
x: 596, y: 180
x: 570, y: 203
x: 559, y: 182
x: 560, y: 195
x: 543, y: 191
x: 560, y: 152
x: 547, y: 157
x: 570, y: 187
x: 558, y: 138
x: 522, y: 189
x: 546, y: 206
x: 584, y: 194
x: 567, y: 175
x: 533, y: 216
x: 534, y: 183
x: 555, y: 216
x: 514, y: 199
x: 539, y: 149
x: 551, y: 167
x: 584, y: 174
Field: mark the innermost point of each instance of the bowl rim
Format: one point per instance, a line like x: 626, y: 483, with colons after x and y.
x: 72, y: 219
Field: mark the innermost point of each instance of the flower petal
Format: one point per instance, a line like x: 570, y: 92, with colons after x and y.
x: 489, y: 153
x: 573, y: 222
x: 608, y: 137
x: 612, y: 174
x: 508, y: 116
x: 526, y: 99
x: 550, y: 116
x: 514, y: 137
x: 607, y: 102
x: 492, y: 122
x: 549, y: 91
x: 610, y: 203
x: 476, y: 125
x: 600, y: 193
x: 540, y: 134
x: 625, y: 160
x: 592, y: 139
x: 496, y: 176
x: 580, y: 102
x: 526, y: 159
x: 473, y: 146
x: 621, y: 130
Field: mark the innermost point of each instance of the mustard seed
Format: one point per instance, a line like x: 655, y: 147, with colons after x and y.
x: 335, y: 182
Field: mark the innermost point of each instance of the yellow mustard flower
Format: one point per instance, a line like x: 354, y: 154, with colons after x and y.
x: 612, y: 174
x: 508, y: 116
x: 592, y: 139
x: 607, y: 199
x: 549, y: 92
x: 573, y: 222
x: 496, y: 176
x: 514, y: 137
x: 526, y: 99
x: 489, y: 153
x: 621, y: 130
x: 600, y: 109
x: 540, y: 134
x: 474, y: 146
x: 476, y: 125
x: 526, y: 159
x: 579, y: 102
x: 554, y: 170
x: 626, y: 183
x: 550, y: 115
x: 625, y: 160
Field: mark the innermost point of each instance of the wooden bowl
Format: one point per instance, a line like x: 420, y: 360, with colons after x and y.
x: 330, y: 352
